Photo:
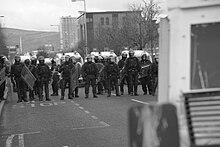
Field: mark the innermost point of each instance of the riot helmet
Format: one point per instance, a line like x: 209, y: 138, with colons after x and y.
x: 73, y: 59
x: 67, y: 58
x: 41, y: 59
x: 33, y: 60
x: 144, y: 57
x: 111, y: 59
x: 131, y: 53
x: 124, y: 55
x: 96, y: 59
x: 2, y: 59
x: 89, y: 58
x: 17, y: 58
x: 27, y: 62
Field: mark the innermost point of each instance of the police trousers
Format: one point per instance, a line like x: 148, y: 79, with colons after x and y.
x: 133, y: 81
x: 90, y: 80
x: 123, y: 83
x: 112, y: 82
x: 43, y: 85
x: 21, y: 89
x: 64, y: 82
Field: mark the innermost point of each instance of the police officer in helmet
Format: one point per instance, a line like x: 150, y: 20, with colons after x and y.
x: 112, y: 75
x: 16, y: 79
x: 124, y: 76
x: 4, y: 67
x: 65, y: 69
x: 132, y: 68
x: 90, y: 74
x: 43, y: 75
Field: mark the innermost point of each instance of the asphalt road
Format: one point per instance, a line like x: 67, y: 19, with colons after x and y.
x: 100, y: 122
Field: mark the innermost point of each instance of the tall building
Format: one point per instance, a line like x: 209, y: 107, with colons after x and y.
x: 96, y: 20
x: 68, y: 32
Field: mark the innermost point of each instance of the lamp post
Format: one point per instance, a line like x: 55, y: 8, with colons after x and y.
x: 58, y: 26
x: 84, y: 19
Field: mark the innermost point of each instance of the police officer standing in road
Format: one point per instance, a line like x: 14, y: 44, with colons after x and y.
x: 112, y: 75
x: 75, y: 74
x: 100, y: 79
x: 16, y: 69
x: 124, y: 76
x: 43, y: 75
x: 65, y: 70
x: 4, y: 67
x: 90, y: 74
x: 32, y: 69
x: 145, y: 76
x: 34, y: 65
x: 132, y: 68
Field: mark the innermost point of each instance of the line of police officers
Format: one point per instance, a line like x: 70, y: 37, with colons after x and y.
x: 106, y: 76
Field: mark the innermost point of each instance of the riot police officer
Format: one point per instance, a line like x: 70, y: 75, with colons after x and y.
x: 16, y: 69
x: 100, y: 79
x: 75, y: 74
x: 4, y: 67
x: 145, y: 76
x: 65, y: 70
x: 112, y: 75
x: 90, y: 74
x: 32, y: 69
x: 43, y: 75
x: 123, y: 75
x: 34, y: 65
x: 132, y: 68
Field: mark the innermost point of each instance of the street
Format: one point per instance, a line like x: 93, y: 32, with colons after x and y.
x: 100, y: 122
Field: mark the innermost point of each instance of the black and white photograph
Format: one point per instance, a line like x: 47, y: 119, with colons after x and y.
x: 109, y: 73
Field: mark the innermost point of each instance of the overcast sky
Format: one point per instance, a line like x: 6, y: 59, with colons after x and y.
x: 40, y: 14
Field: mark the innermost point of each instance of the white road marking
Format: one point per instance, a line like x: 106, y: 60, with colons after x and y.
x: 104, y: 123
x: 21, y: 140
x: 87, y: 112
x: 94, y: 127
x: 94, y: 117
x: 56, y: 103
x: 139, y: 101
x: 81, y: 108
x: 9, y: 141
x: 17, y: 106
x: 28, y: 133
x: 46, y: 104
x: 76, y: 104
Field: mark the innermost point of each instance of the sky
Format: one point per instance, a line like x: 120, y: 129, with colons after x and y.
x: 41, y: 14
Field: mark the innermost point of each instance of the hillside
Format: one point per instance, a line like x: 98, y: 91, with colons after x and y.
x: 31, y: 40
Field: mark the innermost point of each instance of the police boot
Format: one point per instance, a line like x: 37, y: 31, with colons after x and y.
x: 117, y: 94
x: 95, y: 96
x: 47, y: 99
x: 136, y: 94
x: 62, y: 98
x: 87, y: 96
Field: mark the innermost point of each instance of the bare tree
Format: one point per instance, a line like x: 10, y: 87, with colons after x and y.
x: 143, y: 29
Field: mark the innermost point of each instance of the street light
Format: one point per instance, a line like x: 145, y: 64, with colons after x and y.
x: 0, y: 20
x: 86, y: 41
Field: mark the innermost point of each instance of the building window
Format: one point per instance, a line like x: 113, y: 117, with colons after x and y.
x: 107, y: 21
x: 102, y: 21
